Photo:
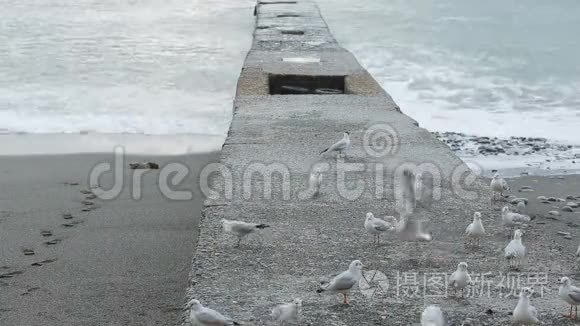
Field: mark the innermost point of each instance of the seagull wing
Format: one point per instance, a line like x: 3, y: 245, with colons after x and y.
x: 344, y: 281
x: 210, y: 316
x: 381, y: 225
x: 574, y: 294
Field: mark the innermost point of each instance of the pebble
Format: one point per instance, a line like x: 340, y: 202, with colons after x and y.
x: 573, y: 205
x: 554, y: 213
x: 553, y: 199
x: 542, y: 198
x: 568, y: 237
x: 570, y: 197
x: 563, y: 233
x: 567, y: 209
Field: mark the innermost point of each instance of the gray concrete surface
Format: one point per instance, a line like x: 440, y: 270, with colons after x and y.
x: 312, y: 239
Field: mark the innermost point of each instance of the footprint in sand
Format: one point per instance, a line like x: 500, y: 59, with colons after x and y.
x: 52, y: 242
x: 86, y: 192
x: 28, y: 251
x: 10, y: 274
x: 46, y: 261
x: 87, y: 203
x: 91, y: 197
x: 46, y: 233
x: 67, y: 216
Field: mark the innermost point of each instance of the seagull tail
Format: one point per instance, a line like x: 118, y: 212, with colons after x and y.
x: 262, y: 226
x: 235, y: 323
x: 320, y: 290
x: 325, y: 150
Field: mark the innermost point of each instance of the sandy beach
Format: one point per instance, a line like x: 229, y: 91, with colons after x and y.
x: 67, y: 258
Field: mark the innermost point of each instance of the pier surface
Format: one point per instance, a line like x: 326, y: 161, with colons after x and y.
x: 310, y: 239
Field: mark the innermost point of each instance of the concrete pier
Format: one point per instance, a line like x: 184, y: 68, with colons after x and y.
x: 274, y: 142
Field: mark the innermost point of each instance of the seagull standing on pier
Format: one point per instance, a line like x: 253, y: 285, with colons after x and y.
x: 288, y: 313
x: 498, y: 184
x: 340, y: 146
x: 570, y: 294
x: 475, y: 231
x: 202, y: 316
x: 376, y: 226
x: 511, y: 219
x: 460, y: 279
x: 515, y: 251
x: 241, y: 229
x: 525, y: 313
x: 344, y: 281
x: 432, y: 316
x: 407, y: 228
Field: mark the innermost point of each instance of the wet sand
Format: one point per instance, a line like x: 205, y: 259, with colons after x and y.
x: 117, y: 262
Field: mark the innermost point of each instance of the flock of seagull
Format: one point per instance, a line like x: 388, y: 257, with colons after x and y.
x: 408, y: 230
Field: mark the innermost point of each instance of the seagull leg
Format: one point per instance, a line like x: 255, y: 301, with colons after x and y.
x: 238, y: 244
x: 345, y: 298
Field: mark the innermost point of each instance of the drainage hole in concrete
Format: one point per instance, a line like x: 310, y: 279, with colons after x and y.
x: 287, y: 15
x: 298, y: 84
x: 278, y: 2
x: 293, y: 32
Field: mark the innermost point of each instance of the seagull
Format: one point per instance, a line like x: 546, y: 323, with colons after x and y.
x: 314, y: 182
x: 340, y: 146
x: 405, y: 227
x: 288, y: 313
x: 525, y: 313
x: 240, y: 229
x: 512, y: 219
x: 432, y: 316
x: 376, y: 226
x: 515, y: 250
x: 202, y: 316
x: 570, y: 294
x: 460, y: 278
x: 475, y: 231
x: 498, y: 184
x: 344, y: 281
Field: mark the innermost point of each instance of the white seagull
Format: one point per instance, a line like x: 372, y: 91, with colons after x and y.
x: 407, y: 228
x: 432, y: 316
x: 240, y: 229
x: 515, y: 251
x: 498, y: 184
x: 376, y: 226
x: 460, y: 278
x: 511, y: 219
x: 475, y: 231
x: 570, y: 294
x: 288, y: 313
x: 344, y: 281
x: 340, y: 146
x: 202, y: 316
x: 525, y: 313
